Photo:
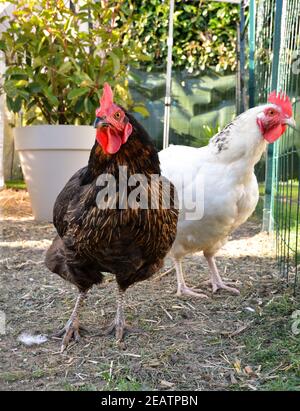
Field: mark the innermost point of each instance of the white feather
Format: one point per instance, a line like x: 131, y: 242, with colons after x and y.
x: 29, y: 339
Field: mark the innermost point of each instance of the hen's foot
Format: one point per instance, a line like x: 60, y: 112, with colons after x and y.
x: 216, y: 286
x: 118, y: 326
x: 72, y: 328
x: 63, y: 331
x: 184, y: 290
x: 70, y: 331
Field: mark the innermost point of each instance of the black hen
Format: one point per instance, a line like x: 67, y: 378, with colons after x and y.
x: 128, y: 242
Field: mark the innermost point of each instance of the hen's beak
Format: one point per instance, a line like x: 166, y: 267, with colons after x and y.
x: 100, y: 122
x: 290, y: 122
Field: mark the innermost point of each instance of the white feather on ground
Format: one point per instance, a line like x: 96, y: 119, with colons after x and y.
x: 29, y: 339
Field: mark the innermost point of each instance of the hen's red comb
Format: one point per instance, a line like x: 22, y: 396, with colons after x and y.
x: 281, y: 100
x: 105, y: 101
x: 107, y: 96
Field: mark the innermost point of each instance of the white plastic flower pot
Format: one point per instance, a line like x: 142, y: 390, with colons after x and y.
x: 50, y: 155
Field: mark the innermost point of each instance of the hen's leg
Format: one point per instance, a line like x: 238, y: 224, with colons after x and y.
x: 181, y: 285
x: 71, y: 329
x: 118, y: 325
x: 215, y: 278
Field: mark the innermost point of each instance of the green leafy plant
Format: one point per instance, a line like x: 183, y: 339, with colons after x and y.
x: 209, y: 132
x: 58, y: 58
x: 204, y: 33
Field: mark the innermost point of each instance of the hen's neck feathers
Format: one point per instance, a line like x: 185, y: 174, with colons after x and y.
x: 240, y: 141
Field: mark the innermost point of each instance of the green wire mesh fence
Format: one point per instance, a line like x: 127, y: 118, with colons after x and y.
x: 265, y: 13
x: 278, y: 66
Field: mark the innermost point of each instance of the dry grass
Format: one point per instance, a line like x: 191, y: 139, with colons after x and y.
x: 14, y: 204
x: 186, y: 344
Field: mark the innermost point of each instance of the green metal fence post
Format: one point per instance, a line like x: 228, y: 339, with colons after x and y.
x: 240, y: 79
x: 252, y: 17
x: 268, y: 222
x: 242, y: 57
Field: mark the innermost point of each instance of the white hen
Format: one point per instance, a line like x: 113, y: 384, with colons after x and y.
x: 224, y: 171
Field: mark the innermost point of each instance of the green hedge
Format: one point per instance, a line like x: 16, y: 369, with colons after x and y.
x: 204, y: 33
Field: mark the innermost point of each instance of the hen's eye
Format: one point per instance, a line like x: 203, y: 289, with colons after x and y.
x: 117, y: 115
x: 271, y: 112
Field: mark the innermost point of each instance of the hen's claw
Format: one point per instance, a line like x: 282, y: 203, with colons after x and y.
x: 63, y: 331
x: 181, y: 285
x: 215, y: 278
x: 69, y: 332
x: 216, y: 286
x: 225, y: 287
x: 183, y: 289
